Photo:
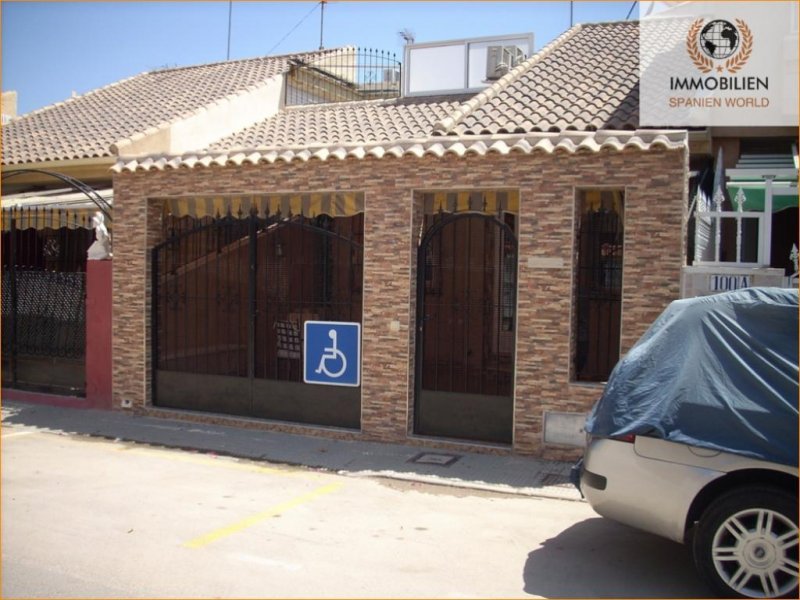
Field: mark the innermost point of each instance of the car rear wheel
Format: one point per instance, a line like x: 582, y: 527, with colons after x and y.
x: 746, y: 544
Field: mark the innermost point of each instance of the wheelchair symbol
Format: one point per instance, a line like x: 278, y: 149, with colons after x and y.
x: 331, y: 353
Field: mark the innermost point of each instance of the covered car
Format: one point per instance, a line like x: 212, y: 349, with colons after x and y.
x: 695, y: 438
x: 718, y: 372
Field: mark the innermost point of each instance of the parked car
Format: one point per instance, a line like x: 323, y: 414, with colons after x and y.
x: 695, y: 439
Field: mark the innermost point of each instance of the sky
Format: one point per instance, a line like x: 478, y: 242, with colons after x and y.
x: 51, y: 50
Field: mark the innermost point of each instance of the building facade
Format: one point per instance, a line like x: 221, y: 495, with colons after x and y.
x: 551, y: 191
x: 498, y: 249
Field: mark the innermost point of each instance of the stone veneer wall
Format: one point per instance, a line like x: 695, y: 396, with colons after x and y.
x: 655, y: 188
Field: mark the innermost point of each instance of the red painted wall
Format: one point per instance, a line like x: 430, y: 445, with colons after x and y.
x: 98, y: 333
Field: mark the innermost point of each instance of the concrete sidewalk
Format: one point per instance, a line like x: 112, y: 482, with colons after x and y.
x: 505, y: 474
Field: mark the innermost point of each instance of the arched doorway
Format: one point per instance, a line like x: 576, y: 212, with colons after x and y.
x: 44, y: 286
x: 466, y: 323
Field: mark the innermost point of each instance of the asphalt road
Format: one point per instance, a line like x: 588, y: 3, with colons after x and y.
x: 83, y: 517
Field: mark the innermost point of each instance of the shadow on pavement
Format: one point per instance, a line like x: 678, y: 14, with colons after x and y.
x: 599, y: 558
x: 480, y: 471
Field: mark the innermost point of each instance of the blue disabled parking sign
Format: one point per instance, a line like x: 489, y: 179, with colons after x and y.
x: 332, y: 353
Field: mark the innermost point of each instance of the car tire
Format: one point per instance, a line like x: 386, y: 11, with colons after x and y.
x: 746, y: 542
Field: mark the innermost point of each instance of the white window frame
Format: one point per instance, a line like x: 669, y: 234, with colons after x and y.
x: 717, y: 215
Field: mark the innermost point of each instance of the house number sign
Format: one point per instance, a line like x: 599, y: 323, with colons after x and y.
x: 726, y: 283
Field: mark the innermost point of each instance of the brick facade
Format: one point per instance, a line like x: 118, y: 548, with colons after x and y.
x: 655, y: 184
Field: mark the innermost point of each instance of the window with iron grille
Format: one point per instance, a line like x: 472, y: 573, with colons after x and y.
x: 598, y: 289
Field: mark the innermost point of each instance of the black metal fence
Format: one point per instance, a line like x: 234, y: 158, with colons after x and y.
x: 344, y: 74
x: 43, y: 299
x: 230, y: 296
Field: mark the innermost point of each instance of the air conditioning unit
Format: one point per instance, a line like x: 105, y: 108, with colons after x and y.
x: 501, y: 59
x: 515, y: 55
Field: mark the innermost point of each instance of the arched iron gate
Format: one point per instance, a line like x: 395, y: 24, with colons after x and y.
x: 44, y: 300
x: 229, y: 302
x: 44, y: 290
x: 466, y: 313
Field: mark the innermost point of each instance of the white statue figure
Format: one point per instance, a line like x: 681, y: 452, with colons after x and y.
x: 101, y: 248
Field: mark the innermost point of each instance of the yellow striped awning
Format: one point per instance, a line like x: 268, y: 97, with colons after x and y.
x: 49, y: 218
x: 333, y: 204
x: 594, y: 200
x: 490, y: 202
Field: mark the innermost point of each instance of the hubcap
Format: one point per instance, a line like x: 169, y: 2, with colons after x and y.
x: 755, y: 553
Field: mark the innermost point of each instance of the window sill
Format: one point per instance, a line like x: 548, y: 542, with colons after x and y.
x: 589, y: 384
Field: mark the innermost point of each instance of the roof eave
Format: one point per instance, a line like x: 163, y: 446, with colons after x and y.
x: 570, y: 142
x: 48, y: 165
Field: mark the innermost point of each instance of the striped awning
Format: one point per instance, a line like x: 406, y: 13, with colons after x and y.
x: 594, y: 200
x: 52, y: 209
x: 489, y: 202
x: 334, y: 204
x: 49, y: 218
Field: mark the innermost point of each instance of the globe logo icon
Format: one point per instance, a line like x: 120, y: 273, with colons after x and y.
x: 719, y: 39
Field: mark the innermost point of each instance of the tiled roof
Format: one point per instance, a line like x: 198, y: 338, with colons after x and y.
x: 345, y: 123
x: 85, y: 126
x: 585, y: 80
x: 545, y: 143
x: 578, y: 94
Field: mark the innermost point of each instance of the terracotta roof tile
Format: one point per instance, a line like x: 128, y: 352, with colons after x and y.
x: 345, y: 123
x: 589, y: 71
x: 585, y: 80
x: 547, y: 143
x: 85, y: 126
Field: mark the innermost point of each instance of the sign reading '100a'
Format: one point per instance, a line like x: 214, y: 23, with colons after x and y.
x: 726, y: 283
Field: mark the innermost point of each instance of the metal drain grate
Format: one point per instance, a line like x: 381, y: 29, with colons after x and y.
x: 556, y: 480
x: 434, y: 458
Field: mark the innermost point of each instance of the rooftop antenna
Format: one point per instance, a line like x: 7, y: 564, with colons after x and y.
x: 321, y: 21
x: 230, y: 13
x: 571, y: 8
x: 407, y: 35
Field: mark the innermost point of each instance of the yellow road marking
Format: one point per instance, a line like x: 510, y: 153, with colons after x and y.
x: 278, y: 509
x: 17, y: 434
